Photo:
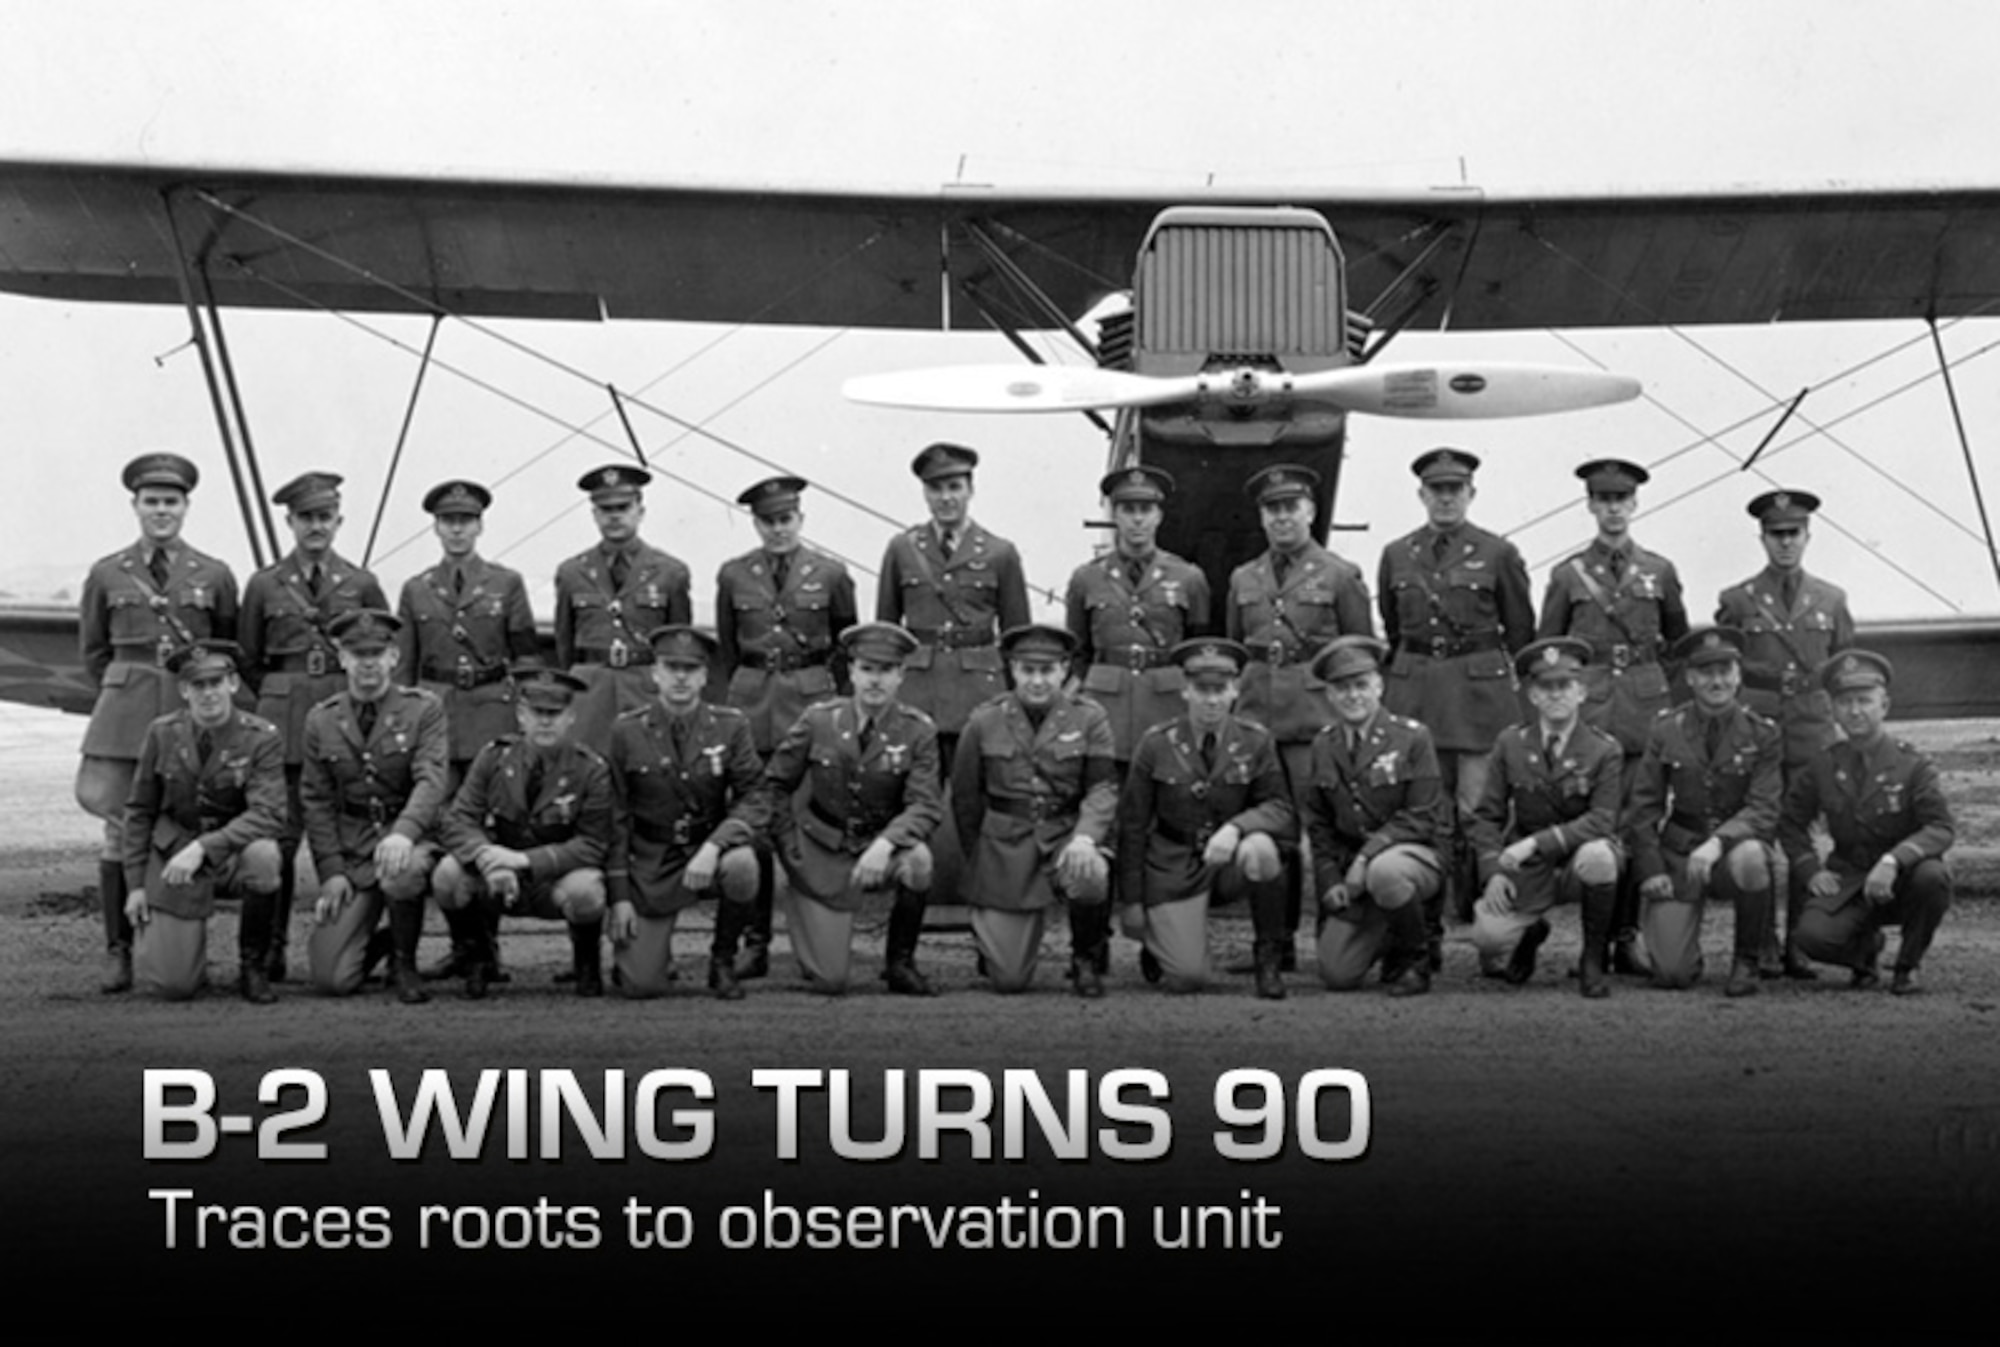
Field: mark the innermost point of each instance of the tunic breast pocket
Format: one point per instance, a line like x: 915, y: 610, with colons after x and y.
x: 1469, y: 598
x: 131, y: 615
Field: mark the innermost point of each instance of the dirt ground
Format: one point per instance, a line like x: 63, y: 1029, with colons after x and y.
x: 1809, y: 1155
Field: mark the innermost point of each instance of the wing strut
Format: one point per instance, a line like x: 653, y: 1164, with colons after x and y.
x: 402, y: 438
x: 1013, y: 336
x: 1964, y: 443
x: 251, y: 509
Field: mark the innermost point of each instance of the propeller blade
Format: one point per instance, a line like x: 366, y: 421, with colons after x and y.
x: 1016, y: 388
x: 1461, y: 392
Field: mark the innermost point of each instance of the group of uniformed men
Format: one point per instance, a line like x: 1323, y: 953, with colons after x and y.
x: 1133, y: 761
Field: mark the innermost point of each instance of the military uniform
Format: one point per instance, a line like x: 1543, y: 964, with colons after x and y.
x: 1126, y: 630
x: 1565, y: 797
x: 601, y: 629
x: 680, y: 783
x: 288, y: 653
x: 463, y: 624
x: 854, y: 793
x: 1627, y: 605
x: 1455, y: 607
x: 1021, y: 791
x: 554, y: 806
x: 1877, y: 800
x: 129, y: 624
x: 1687, y: 790
x: 1284, y: 623
x: 1179, y: 793
x: 1377, y: 800
x: 229, y: 799
x: 777, y: 636
x: 357, y: 789
x: 1784, y: 645
x: 956, y: 607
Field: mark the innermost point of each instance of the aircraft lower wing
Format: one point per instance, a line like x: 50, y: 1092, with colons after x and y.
x: 845, y: 257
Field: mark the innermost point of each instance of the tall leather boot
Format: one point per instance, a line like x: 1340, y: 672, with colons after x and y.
x: 406, y: 927
x: 281, y: 908
x: 1089, y: 940
x: 586, y: 948
x: 481, y: 946
x: 1755, y: 914
x: 1600, y: 901
x: 1796, y: 965
x: 111, y: 897
x: 253, y: 947
x: 1627, y: 956
x: 466, y: 925
x: 1412, y: 965
x: 906, y: 924
x: 1276, y: 906
x: 1272, y: 939
x: 754, y: 926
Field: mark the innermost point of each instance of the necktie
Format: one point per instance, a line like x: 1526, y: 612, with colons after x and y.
x: 867, y: 735
x: 1439, y: 546
x: 204, y: 744
x: 780, y: 567
x: 316, y: 582
x: 1208, y: 751
x: 457, y: 580
x: 157, y: 568
x: 1135, y: 571
x: 536, y: 770
x: 620, y: 569
x: 1789, y: 587
x: 947, y: 544
x: 366, y: 715
x: 1714, y: 736
x: 1617, y: 566
x: 1280, y: 564
x: 677, y: 730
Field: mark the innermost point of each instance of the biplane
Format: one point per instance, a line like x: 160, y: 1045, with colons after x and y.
x: 1254, y: 323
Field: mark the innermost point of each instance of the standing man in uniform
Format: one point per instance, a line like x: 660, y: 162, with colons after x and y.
x: 531, y: 830
x: 464, y: 621
x: 1035, y: 793
x: 1546, y: 826
x: 1885, y: 807
x: 289, y: 655
x: 1625, y: 603
x: 779, y: 611
x: 1456, y: 605
x: 1704, y: 811
x: 1128, y: 610
x: 138, y: 606
x: 872, y: 799
x: 207, y: 804
x: 685, y: 775
x: 376, y: 779
x: 1792, y: 623
x: 1371, y: 798
x: 956, y: 587
x: 1284, y: 607
x: 609, y: 597
x: 1204, y: 809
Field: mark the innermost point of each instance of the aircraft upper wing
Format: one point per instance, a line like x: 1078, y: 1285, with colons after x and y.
x: 586, y: 248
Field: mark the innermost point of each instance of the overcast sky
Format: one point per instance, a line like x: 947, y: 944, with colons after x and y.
x: 1159, y: 94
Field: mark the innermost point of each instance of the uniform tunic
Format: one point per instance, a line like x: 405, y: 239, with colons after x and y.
x: 1173, y: 803
x: 462, y: 626
x: 226, y: 802
x: 1285, y: 625
x: 1628, y: 620
x: 670, y: 802
x: 1562, y: 802
x: 1875, y: 802
x: 1682, y: 795
x: 1453, y: 619
x: 956, y: 609
x: 852, y: 795
x: 1124, y: 632
x: 128, y: 623
x: 1025, y: 790
x: 1783, y: 648
x: 357, y: 791
x: 601, y: 630
x: 567, y: 825
x: 778, y: 641
x: 287, y: 655
x: 1384, y: 793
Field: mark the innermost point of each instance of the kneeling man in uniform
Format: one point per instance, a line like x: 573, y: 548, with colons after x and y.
x: 1204, y: 809
x: 1034, y: 792
x: 1372, y: 799
x: 1886, y: 810
x: 1543, y: 830
x: 530, y: 830
x: 1702, y: 813
x: 375, y: 775
x: 206, y: 808
x: 869, y: 765
x: 684, y: 772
